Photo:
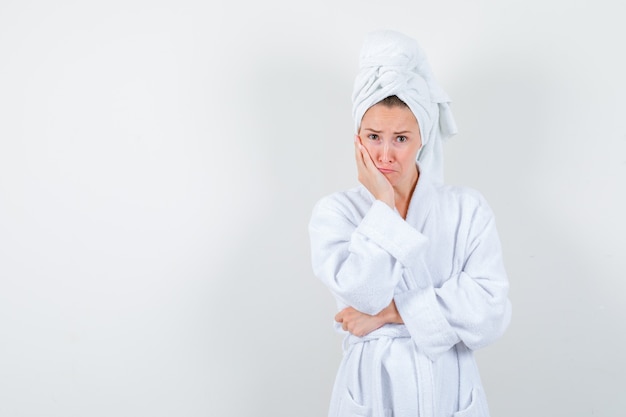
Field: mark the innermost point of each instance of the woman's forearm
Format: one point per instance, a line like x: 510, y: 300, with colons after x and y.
x: 361, y: 324
x: 390, y: 314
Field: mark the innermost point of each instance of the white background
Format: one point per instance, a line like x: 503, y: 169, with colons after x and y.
x: 159, y: 161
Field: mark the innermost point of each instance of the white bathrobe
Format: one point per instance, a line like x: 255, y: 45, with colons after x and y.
x: 443, y: 267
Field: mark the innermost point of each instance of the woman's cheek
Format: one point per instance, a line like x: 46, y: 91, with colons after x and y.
x: 371, y: 150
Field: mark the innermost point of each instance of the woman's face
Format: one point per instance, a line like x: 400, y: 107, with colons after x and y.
x: 391, y: 135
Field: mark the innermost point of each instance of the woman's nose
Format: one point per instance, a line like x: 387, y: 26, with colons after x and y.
x: 385, y: 154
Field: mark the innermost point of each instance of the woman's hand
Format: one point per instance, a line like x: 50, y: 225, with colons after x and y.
x: 361, y: 324
x: 371, y: 177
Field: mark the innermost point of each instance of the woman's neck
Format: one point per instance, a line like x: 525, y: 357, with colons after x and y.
x: 403, y: 195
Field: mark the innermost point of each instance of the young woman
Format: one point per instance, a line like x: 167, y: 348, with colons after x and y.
x: 416, y: 266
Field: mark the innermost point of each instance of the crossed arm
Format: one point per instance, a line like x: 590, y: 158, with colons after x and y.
x: 361, y: 324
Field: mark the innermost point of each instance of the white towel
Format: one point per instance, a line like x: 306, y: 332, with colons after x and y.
x: 392, y: 63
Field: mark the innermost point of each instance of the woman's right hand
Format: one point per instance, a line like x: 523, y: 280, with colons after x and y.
x: 371, y: 177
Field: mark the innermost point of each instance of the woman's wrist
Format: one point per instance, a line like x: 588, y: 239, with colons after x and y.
x: 390, y: 314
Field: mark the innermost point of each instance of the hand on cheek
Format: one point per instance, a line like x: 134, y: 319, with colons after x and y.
x: 370, y: 176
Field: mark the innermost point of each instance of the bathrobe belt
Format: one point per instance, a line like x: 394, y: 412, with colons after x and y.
x: 425, y: 383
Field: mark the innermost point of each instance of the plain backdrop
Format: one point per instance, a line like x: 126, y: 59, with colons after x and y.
x: 159, y: 161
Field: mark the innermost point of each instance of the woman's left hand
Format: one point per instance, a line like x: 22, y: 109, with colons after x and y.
x: 361, y: 324
x: 357, y: 323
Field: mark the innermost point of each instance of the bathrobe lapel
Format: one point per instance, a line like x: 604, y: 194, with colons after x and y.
x: 421, y: 203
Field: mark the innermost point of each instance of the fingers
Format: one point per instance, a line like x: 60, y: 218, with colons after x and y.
x: 358, y: 153
x: 357, y: 323
x: 342, y: 315
x: 339, y: 317
x: 347, y: 317
x: 367, y: 159
x: 364, y: 154
x: 365, y: 165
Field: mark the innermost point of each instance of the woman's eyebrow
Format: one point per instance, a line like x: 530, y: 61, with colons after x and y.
x: 402, y: 132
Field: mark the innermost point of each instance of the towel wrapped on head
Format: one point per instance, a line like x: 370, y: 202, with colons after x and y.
x: 392, y: 63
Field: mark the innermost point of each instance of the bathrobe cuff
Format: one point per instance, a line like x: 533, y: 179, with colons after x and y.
x: 425, y: 321
x: 385, y: 227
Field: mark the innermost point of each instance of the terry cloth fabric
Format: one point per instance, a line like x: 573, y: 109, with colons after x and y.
x: 392, y: 63
x: 443, y: 267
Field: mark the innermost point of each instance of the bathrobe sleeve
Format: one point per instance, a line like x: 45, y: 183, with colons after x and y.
x: 472, y: 306
x: 361, y: 260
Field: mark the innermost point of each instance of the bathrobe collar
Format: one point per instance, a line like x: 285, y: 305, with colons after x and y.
x: 421, y: 200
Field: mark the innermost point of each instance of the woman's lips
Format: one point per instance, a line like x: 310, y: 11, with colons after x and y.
x: 385, y: 170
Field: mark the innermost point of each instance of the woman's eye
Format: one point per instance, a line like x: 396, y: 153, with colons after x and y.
x: 373, y: 137
x: 401, y: 138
